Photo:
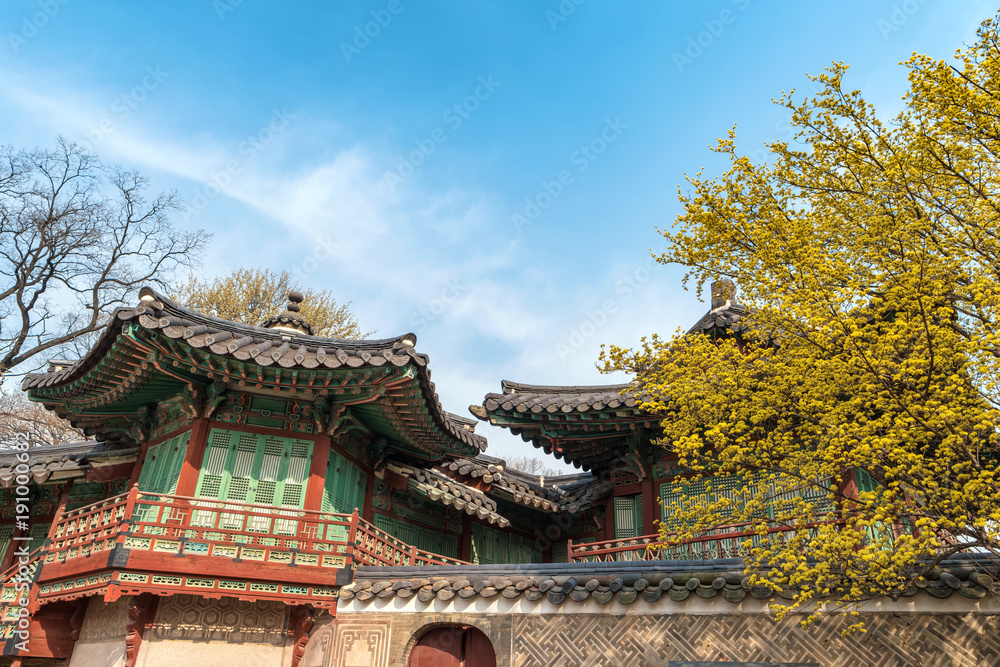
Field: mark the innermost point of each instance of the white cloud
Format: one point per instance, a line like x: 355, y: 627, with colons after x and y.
x: 395, y: 253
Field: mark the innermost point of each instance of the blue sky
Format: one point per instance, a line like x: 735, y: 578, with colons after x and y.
x: 487, y: 175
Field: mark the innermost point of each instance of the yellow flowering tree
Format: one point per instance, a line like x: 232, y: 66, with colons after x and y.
x: 867, y: 252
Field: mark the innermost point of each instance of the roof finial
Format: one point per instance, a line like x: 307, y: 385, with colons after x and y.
x: 723, y: 293
x: 290, y: 319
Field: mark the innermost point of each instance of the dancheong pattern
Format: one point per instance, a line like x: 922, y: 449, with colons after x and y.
x: 943, y: 640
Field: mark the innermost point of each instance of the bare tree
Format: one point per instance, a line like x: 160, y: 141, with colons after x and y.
x: 76, y: 237
x: 531, y: 465
x: 21, y: 420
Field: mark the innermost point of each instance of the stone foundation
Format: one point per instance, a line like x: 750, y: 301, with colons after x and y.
x: 194, y: 631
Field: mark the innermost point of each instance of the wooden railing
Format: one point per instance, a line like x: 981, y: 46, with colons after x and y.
x: 374, y: 546
x: 17, y: 585
x: 723, y: 542
x: 172, y: 525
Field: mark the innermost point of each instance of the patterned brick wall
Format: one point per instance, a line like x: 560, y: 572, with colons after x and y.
x: 637, y: 641
x: 579, y: 640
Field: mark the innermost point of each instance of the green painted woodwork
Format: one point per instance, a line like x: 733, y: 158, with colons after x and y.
x: 866, y: 484
x: 418, y: 536
x: 162, y: 467
x: 491, y: 546
x: 344, y: 486
x: 38, y: 534
x: 628, y: 516
x: 85, y: 493
x: 560, y: 550
x: 254, y: 468
x: 268, y: 404
x: 6, y: 538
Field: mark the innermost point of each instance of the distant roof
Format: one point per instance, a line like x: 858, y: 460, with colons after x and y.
x: 63, y: 461
x: 538, y: 398
x: 595, y: 426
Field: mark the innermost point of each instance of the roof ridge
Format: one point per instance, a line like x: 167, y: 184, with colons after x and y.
x: 510, y: 387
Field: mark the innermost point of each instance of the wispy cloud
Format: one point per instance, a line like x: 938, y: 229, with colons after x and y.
x: 401, y: 253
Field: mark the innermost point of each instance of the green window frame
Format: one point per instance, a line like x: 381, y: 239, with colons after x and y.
x: 6, y: 538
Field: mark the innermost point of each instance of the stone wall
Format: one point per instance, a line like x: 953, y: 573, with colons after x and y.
x: 640, y: 640
x: 385, y: 640
x: 102, y: 637
x: 190, y: 630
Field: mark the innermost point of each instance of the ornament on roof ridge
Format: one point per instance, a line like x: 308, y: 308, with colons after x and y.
x: 290, y: 319
x: 723, y: 293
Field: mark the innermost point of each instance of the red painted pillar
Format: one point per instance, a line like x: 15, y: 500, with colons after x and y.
x: 465, y: 540
x: 317, y: 473
x: 187, y: 482
x: 139, y: 462
x: 650, y: 507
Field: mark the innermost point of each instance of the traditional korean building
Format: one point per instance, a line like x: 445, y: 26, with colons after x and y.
x: 262, y: 496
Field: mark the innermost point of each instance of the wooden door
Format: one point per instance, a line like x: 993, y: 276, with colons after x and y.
x: 453, y: 646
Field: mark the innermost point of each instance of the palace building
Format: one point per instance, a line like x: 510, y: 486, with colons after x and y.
x: 263, y: 497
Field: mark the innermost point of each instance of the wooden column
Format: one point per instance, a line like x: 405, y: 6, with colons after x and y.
x: 139, y: 462
x: 465, y: 539
x: 609, y: 518
x: 650, y: 508
x: 141, y: 611
x: 317, y: 473
x: 187, y: 482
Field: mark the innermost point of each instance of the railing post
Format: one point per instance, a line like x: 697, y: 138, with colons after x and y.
x: 130, y: 503
x: 352, y: 538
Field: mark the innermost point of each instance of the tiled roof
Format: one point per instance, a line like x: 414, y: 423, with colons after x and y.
x: 450, y: 492
x: 651, y: 581
x: 587, y: 426
x: 265, y: 347
x: 568, y: 493
x: 729, y: 317
x: 63, y: 461
x: 541, y: 398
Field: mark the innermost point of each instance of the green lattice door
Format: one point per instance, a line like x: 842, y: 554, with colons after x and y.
x: 6, y: 538
x: 490, y: 546
x: 162, y: 466
x: 343, y: 491
x: 252, y: 468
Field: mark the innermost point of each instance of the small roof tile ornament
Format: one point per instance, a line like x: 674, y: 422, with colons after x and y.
x: 290, y: 319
